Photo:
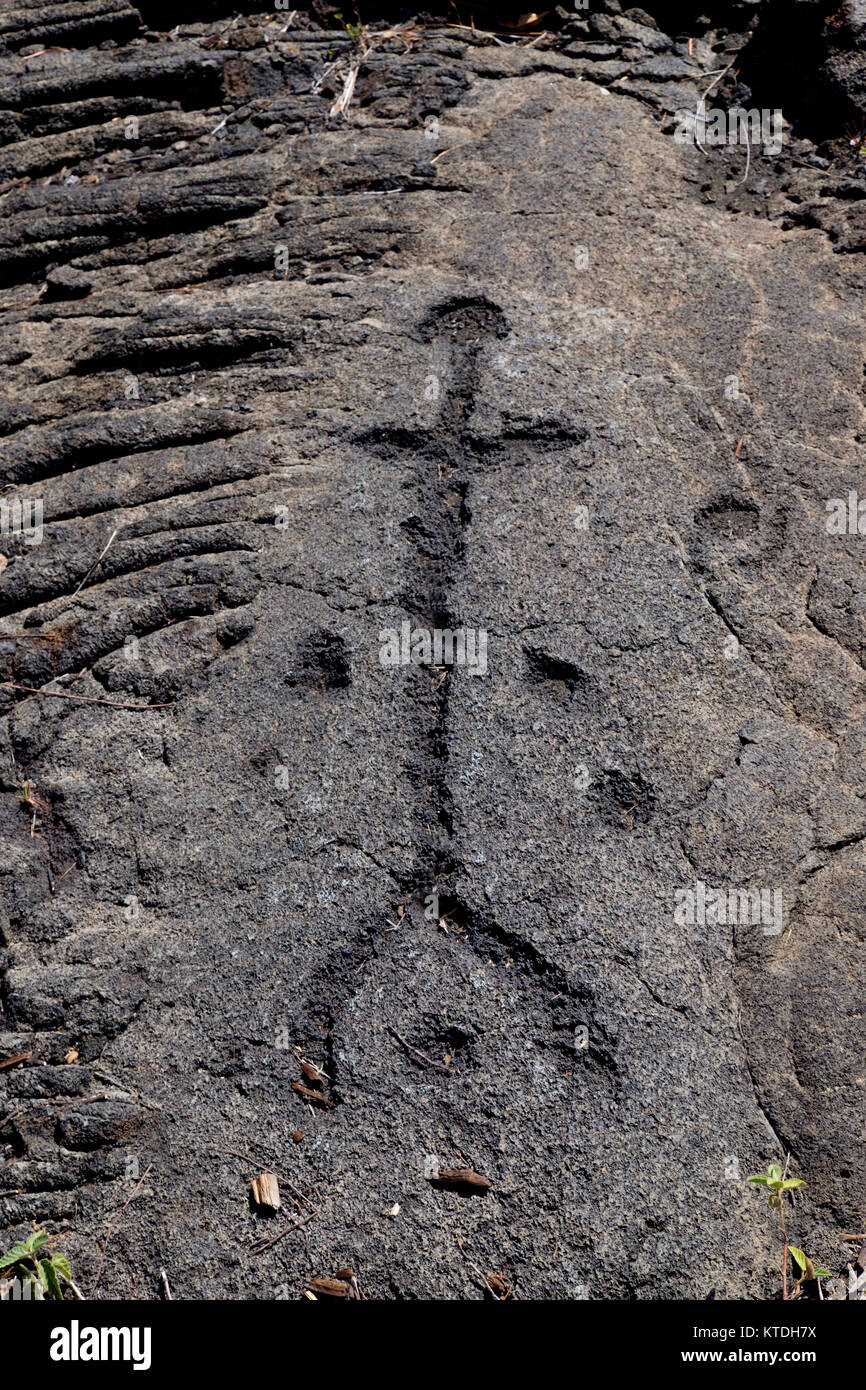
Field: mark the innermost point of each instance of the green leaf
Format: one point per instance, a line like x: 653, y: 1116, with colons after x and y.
x: 823, y: 1274
x: 774, y: 1173
x: 793, y: 1182
x: 798, y: 1256
x: 759, y: 1177
x: 49, y: 1280
x: 16, y: 1252
x: 61, y: 1264
x: 36, y: 1241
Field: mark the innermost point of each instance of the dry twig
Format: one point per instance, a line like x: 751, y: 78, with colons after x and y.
x: 96, y: 563
x: 85, y: 699
x: 114, y: 1223
x: 417, y: 1053
x: 296, y: 1225
x: 11, y: 1061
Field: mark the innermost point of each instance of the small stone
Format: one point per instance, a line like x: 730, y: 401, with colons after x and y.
x: 96, y: 1123
x: 64, y: 282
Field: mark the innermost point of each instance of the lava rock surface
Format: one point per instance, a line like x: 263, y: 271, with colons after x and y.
x: 495, y: 351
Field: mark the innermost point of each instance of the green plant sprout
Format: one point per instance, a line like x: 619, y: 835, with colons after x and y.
x: 40, y: 1273
x: 778, y: 1185
x: 807, y: 1269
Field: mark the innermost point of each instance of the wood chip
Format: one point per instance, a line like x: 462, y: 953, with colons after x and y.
x: 330, y: 1288
x: 312, y: 1095
x: 266, y: 1191
x: 312, y: 1073
x: 461, y: 1177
